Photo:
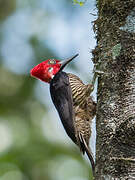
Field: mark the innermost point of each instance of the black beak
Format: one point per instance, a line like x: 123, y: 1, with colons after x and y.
x: 65, y: 62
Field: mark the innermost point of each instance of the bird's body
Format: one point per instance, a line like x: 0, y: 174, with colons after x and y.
x: 84, y: 108
x: 75, y: 107
x: 72, y: 100
x: 61, y: 95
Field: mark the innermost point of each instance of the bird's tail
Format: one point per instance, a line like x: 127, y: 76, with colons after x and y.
x: 88, y: 152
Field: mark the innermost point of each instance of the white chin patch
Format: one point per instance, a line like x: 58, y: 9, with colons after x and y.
x: 52, y: 76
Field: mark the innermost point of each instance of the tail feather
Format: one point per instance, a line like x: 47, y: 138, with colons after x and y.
x: 88, y: 152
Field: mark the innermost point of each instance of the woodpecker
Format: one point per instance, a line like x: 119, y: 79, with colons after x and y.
x: 72, y: 100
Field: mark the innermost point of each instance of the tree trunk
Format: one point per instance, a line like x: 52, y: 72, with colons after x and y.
x: 114, y: 55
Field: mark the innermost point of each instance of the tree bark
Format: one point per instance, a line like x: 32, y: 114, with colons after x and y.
x: 114, y: 55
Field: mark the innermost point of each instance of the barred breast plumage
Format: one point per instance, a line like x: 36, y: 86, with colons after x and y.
x: 84, y: 108
x: 80, y: 91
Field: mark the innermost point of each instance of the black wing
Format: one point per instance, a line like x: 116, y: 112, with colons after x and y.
x: 62, y: 98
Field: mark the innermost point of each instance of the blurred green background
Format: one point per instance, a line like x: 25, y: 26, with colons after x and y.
x: 33, y: 143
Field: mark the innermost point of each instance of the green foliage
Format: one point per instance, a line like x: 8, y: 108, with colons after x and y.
x: 81, y: 3
x: 6, y: 8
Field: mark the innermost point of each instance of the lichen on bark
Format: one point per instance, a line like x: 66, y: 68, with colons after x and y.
x: 115, y: 123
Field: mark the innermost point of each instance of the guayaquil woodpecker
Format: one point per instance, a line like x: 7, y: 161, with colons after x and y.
x: 72, y: 100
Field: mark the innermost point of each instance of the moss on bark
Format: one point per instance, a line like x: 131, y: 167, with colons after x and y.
x: 115, y: 56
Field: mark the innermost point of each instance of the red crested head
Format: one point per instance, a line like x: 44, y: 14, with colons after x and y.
x: 46, y: 70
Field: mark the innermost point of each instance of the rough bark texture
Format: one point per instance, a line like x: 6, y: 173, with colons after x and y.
x: 115, y: 123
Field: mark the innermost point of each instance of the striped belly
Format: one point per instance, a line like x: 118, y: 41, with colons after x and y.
x: 80, y: 91
x: 83, y: 107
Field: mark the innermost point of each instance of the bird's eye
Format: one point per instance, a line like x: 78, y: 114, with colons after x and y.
x: 50, y: 69
x: 52, y: 61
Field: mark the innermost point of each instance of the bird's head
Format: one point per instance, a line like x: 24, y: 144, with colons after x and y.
x: 46, y: 70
